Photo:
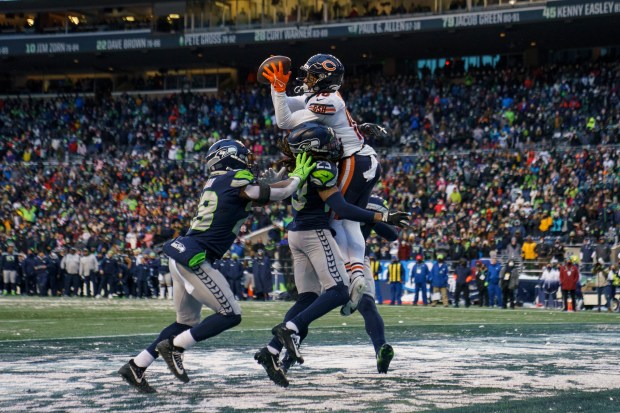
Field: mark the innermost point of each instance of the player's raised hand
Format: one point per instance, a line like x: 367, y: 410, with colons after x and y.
x: 397, y: 218
x: 374, y: 130
x: 303, y: 167
x: 277, y: 77
x: 270, y: 176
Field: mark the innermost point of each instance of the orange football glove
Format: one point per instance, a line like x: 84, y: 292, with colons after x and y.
x: 277, y: 77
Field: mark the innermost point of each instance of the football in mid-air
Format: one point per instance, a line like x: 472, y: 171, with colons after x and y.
x: 286, y: 66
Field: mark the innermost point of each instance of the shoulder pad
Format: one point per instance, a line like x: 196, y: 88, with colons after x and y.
x: 325, y: 175
x: 242, y: 178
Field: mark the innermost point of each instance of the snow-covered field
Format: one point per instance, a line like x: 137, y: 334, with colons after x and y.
x: 428, y: 373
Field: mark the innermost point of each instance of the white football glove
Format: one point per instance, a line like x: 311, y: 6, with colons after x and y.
x: 270, y: 176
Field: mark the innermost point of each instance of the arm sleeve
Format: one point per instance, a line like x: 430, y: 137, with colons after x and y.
x: 347, y: 211
x: 284, y: 117
x: 296, y: 103
x: 386, y: 231
x: 276, y: 194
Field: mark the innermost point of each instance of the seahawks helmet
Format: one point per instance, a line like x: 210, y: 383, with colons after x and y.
x: 318, y: 140
x: 377, y: 204
x: 228, y: 155
x: 321, y: 73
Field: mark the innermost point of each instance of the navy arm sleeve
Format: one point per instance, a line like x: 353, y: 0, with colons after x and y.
x: 386, y: 231
x: 347, y: 211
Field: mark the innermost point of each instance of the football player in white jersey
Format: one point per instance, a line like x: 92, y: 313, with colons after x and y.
x: 321, y: 77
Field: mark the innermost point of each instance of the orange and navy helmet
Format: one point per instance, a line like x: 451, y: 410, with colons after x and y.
x: 322, y: 73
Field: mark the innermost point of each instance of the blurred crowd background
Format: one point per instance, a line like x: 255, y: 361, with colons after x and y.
x: 486, y: 161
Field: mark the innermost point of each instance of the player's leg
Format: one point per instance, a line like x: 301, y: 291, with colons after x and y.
x: 325, y: 257
x: 162, y: 286
x: 188, y: 315
x: 208, y: 287
x: 308, y: 288
x: 373, y: 323
x: 168, y: 281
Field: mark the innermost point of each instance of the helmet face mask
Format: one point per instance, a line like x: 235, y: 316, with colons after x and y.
x: 322, y: 73
x: 228, y: 155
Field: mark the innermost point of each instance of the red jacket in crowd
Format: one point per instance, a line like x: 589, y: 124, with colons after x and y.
x: 569, y: 275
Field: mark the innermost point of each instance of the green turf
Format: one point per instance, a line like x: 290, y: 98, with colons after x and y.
x: 32, y: 318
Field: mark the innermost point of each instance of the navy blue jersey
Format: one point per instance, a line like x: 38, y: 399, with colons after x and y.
x: 9, y: 262
x: 309, y: 210
x: 164, y: 261
x: 109, y: 266
x: 221, y: 212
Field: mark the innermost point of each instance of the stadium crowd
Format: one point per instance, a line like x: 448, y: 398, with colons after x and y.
x: 488, y: 161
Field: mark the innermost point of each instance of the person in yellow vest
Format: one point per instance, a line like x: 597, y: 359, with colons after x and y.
x: 614, y: 285
x: 396, y: 272
x: 528, y: 251
x: 375, y: 270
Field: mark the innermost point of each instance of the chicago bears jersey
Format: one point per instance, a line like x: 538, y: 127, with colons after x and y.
x: 326, y: 108
x: 309, y: 210
x: 221, y: 212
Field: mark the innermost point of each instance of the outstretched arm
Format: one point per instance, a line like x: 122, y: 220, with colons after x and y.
x: 275, y: 192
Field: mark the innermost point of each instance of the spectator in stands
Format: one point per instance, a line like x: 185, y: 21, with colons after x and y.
x: 557, y: 251
x: 602, y: 250
x: 514, y: 250
x: 586, y: 254
x: 529, y: 252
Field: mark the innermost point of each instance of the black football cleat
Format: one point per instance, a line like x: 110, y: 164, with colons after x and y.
x: 271, y: 364
x: 173, y: 356
x: 287, y: 362
x: 285, y: 336
x: 384, y: 357
x: 134, y: 375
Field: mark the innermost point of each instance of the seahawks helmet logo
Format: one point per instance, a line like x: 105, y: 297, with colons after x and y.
x: 306, y: 145
x: 221, y: 154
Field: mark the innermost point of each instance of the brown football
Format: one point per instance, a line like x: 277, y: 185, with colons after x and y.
x: 286, y: 65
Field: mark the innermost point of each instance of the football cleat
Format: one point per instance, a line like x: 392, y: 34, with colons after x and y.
x: 356, y: 291
x: 384, y: 357
x: 173, y: 356
x: 134, y: 375
x: 285, y: 336
x: 287, y: 361
x: 271, y: 364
